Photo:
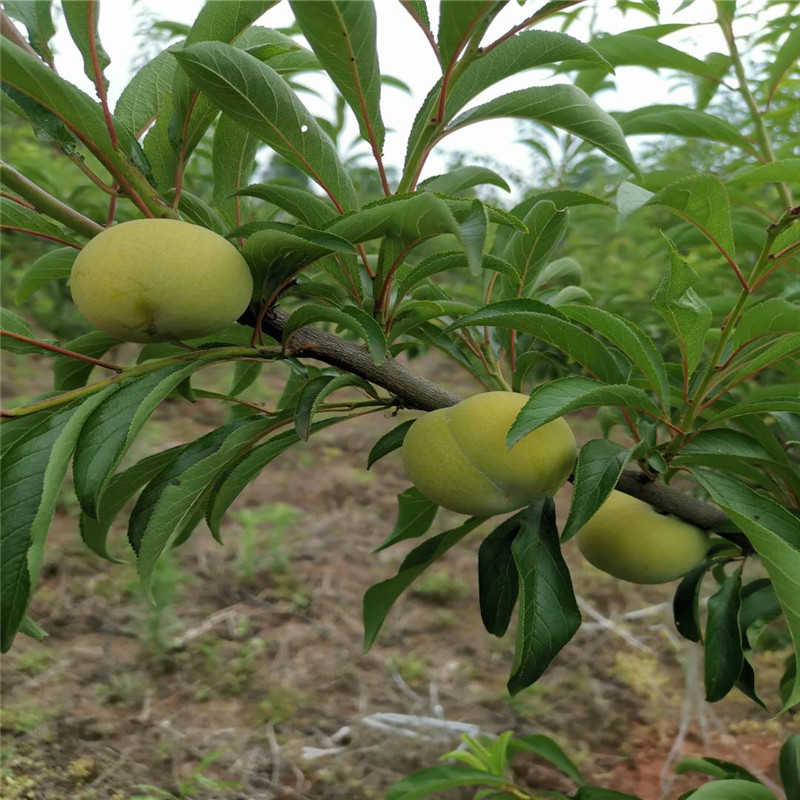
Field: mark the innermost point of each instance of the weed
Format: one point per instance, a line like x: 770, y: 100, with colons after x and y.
x: 36, y: 660
x: 23, y: 716
x: 411, y: 667
x: 261, y: 540
x: 195, y: 782
x: 441, y: 586
x: 122, y: 689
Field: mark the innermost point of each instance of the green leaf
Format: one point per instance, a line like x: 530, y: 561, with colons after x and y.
x: 112, y: 427
x: 630, y: 339
x: 783, y: 347
x: 686, y: 313
x: 552, y: 400
x: 16, y: 217
x: 705, y: 87
x: 775, y: 534
x: 233, y: 157
x: 458, y: 20
x: 472, y: 233
x: 415, y: 515
x: 545, y: 323
x: 756, y: 407
x: 784, y: 170
x: 789, y: 765
x: 245, y: 374
x: 315, y: 391
x: 196, y: 210
x: 684, y: 122
x: 686, y: 604
x: 32, y: 471
x: 307, y: 207
x: 70, y: 373
x: 783, y: 61
x: 348, y: 318
x: 548, y: 612
x: 169, y: 497
x: 595, y: 793
x: 733, y: 790
x: 342, y: 34
x: 563, y: 106
x: 36, y: 17
x: 147, y: 93
x: 30, y: 628
x: 546, y: 748
x: 774, y: 315
x: 82, y: 18
x: 253, y: 95
x: 13, y: 323
x: 121, y: 488
x: 498, y: 581
x: 462, y: 178
x: 53, y: 266
x: 723, y: 645
x: 600, y: 464
x: 434, y: 780
x: 728, y: 444
x: 389, y: 442
x: 715, y: 767
x: 379, y: 598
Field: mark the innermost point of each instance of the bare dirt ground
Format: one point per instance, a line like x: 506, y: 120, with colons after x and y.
x: 248, y: 680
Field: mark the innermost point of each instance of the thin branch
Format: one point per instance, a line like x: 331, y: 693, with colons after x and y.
x: 62, y: 352
x: 94, y: 178
x: 40, y: 235
x: 526, y: 23
x: 98, y: 74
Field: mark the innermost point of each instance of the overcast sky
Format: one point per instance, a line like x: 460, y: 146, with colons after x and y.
x: 404, y: 53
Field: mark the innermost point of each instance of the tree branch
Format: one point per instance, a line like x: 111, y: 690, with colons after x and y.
x: 419, y: 393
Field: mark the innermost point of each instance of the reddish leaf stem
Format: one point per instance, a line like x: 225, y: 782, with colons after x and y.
x: 62, y: 351
x: 98, y: 75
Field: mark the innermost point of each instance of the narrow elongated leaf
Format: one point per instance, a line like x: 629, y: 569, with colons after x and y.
x: 733, y: 790
x: 70, y: 373
x: 389, y: 442
x: 784, y: 170
x: 715, y: 767
x: 147, y: 93
x: 684, y: 122
x: 472, y: 233
x: 121, y: 488
x: 600, y: 463
x: 686, y: 604
x: 498, y: 579
x: 723, y: 645
x: 196, y: 210
x: 552, y: 400
x: 253, y: 95
x: 15, y: 217
x: 789, y: 765
x: 783, y: 61
x: 563, y: 106
x: 379, y: 598
x: 595, y: 793
x: 774, y: 315
x: 727, y: 444
x: 686, y: 313
x: 232, y: 162
x: 170, y: 496
x: 756, y: 407
x: 29, y: 627
x: 82, y: 17
x: 343, y: 34
x: 546, y: 748
x: 111, y: 428
x: 315, y: 391
x: 32, y: 471
x: 630, y: 339
x: 545, y: 323
x: 13, y: 323
x: 775, y: 534
x: 53, y: 266
x: 458, y: 20
x: 415, y: 515
x: 548, y: 612
x: 462, y: 178
x: 307, y: 207
x: 431, y: 781
x: 37, y: 18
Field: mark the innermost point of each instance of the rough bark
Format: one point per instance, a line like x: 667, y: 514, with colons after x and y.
x: 419, y: 393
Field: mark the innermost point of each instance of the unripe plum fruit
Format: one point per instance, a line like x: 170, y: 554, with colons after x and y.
x: 630, y: 540
x: 457, y: 456
x: 154, y: 280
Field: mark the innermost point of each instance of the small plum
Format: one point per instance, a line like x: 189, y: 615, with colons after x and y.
x: 154, y: 280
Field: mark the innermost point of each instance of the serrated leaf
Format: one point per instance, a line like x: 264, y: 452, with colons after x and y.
x: 458, y: 19
x: 630, y: 339
x: 32, y: 472
x: 726, y: 443
x: 389, y: 442
x: 415, y: 515
x: 783, y: 170
x: 13, y: 323
x: 552, y: 400
x: 774, y: 315
x: 686, y: 313
x: 35, y: 15
x: 82, y: 18
x: 112, y: 427
x: 498, y: 579
x: 53, y: 266
x: 548, y: 613
x: 315, y: 391
x: 147, y: 93
x: 307, y: 207
x: 755, y: 407
x: 15, y: 217
x: 253, y: 95
x: 70, y: 373
x: 343, y: 35
x: 562, y: 106
x: 460, y: 179
x: 170, y: 496
x: 379, y: 598
x: 775, y: 535
x: 233, y: 156
x: 545, y: 323
x: 121, y: 488
x: 599, y: 466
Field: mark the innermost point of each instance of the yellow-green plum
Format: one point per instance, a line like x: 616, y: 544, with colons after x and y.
x: 628, y: 539
x: 153, y: 280
x: 457, y: 456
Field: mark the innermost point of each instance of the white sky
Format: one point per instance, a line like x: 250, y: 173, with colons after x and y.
x: 404, y: 53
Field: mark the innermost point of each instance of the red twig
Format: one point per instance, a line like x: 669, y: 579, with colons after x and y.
x: 41, y: 236
x: 62, y: 351
x: 98, y: 75
x: 526, y: 23
x: 112, y: 210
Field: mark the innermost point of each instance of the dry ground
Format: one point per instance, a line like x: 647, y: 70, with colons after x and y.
x: 248, y: 679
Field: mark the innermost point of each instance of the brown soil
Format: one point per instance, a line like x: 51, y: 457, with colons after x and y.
x: 257, y: 657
